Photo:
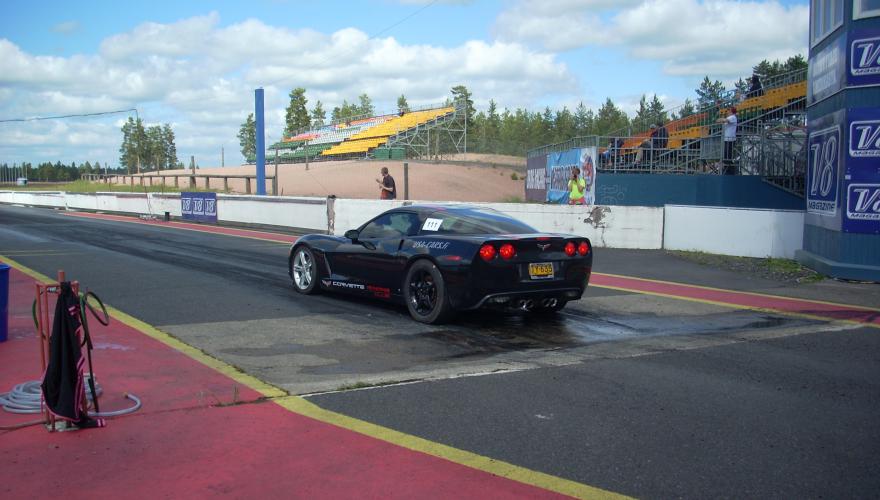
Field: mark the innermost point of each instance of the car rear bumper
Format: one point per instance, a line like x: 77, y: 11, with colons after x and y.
x: 466, y: 296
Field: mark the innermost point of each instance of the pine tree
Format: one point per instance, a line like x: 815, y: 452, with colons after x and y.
x: 709, y: 93
x: 461, y: 96
x: 319, y: 116
x: 611, y: 120
x: 247, y: 138
x: 296, y: 116
x: 402, y: 105
x: 366, y: 106
x: 169, y: 148
x: 583, y: 120
x: 657, y: 111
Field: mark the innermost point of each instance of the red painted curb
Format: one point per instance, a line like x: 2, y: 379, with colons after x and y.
x: 743, y: 299
x: 202, y: 434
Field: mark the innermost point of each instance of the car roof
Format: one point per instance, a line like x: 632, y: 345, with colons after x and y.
x: 426, y: 209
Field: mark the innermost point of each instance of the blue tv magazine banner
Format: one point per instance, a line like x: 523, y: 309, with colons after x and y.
x: 862, y: 171
x: 199, y: 207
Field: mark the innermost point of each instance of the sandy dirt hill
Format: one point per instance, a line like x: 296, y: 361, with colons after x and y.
x: 471, y: 178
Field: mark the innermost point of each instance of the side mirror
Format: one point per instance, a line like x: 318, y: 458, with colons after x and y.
x: 352, y: 234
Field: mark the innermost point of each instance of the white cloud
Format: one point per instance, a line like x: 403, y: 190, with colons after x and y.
x: 690, y: 37
x: 201, y: 75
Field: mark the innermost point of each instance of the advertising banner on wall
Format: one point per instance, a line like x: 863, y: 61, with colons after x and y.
x: 536, y: 178
x: 823, y: 166
x: 200, y: 207
x: 559, y: 168
x: 827, y: 71
x: 864, y: 58
x: 862, y: 171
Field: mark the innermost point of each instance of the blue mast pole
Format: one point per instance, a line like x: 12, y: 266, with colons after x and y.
x: 261, y: 142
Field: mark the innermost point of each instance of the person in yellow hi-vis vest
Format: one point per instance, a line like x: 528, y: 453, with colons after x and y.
x: 576, y: 188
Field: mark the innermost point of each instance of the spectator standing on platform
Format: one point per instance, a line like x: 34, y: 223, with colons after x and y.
x: 755, y: 88
x: 661, y: 137
x: 576, y: 188
x: 729, y: 133
x: 646, y: 145
x: 387, y: 190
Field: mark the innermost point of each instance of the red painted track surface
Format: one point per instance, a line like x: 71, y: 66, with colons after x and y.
x: 188, y: 441
x: 818, y: 309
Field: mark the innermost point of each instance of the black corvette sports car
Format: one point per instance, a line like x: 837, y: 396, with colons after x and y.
x: 439, y: 259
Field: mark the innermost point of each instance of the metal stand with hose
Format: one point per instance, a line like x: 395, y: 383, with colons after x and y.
x: 27, y: 397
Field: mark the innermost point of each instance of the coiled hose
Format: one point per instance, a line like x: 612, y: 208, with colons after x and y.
x: 26, y: 398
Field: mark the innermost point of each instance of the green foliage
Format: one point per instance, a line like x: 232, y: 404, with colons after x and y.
x: 49, y: 172
x: 767, y: 70
x: 709, y: 93
x: 319, y: 116
x: 147, y: 149
x: 402, y: 105
x: 247, y: 137
x: 296, y: 117
x: 461, y: 96
x: 366, y: 106
x: 345, y: 112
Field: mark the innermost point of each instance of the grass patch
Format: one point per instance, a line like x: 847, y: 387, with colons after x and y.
x: 82, y: 186
x: 512, y: 199
x: 770, y: 268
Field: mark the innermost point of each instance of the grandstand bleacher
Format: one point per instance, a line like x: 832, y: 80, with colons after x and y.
x: 357, y: 138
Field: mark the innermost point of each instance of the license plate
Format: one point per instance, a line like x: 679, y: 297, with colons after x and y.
x: 540, y: 270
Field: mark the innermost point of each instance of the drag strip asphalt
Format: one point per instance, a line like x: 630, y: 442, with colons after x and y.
x: 644, y: 395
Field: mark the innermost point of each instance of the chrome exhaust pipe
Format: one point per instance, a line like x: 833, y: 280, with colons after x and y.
x: 528, y: 305
x: 550, y: 303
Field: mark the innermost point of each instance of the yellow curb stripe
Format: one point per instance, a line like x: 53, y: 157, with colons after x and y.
x: 753, y: 294
x: 507, y: 470
x: 301, y: 406
x: 739, y: 306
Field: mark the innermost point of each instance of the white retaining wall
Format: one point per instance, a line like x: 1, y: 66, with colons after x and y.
x: 743, y: 232
x: 727, y: 231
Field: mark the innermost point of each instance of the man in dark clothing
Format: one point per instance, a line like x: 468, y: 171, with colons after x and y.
x: 388, y: 190
x: 755, y: 89
x: 660, y: 137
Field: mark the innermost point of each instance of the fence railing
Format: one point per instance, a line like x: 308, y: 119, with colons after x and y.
x: 191, y: 179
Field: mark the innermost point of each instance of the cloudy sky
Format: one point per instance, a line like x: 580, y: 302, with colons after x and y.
x: 194, y: 64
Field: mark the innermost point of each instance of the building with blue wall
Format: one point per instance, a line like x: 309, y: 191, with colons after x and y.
x: 842, y: 223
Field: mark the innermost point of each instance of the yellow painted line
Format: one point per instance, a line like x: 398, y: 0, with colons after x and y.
x: 753, y: 294
x: 497, y: 467
x: 301, y: 406
x: 739, y: 306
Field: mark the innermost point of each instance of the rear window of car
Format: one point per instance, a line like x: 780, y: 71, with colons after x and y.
x: 484, y: 221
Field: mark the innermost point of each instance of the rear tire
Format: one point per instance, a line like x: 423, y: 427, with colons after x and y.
x: 425, y: 294
x: 304, y: 270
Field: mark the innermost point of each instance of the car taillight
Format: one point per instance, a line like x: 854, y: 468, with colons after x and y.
x: 487, y: 252
x: 507, y: 251
x: 570, y: 249
x: 584, y: 248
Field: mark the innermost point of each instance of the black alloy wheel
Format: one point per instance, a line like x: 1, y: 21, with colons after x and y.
x: 425, y: 293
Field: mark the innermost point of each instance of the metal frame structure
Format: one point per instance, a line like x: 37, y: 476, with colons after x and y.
x: 437, y: 138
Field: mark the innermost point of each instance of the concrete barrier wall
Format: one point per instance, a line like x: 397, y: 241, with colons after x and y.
x: 617, y: 227
x: 727, y: 231
x: 286, y: 211
x: 732, y: 231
